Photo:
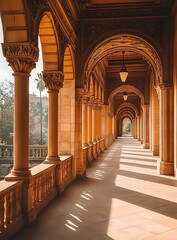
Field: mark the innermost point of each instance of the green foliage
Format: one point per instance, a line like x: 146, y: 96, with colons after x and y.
x: 35, y: 124
x: 6, y: 112
x: 38, y: 115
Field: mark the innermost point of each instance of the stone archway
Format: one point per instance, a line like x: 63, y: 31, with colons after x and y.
x: 125, y: 42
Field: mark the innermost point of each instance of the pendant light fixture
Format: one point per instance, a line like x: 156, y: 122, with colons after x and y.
x: 123, y: 71
x: 125, y: 96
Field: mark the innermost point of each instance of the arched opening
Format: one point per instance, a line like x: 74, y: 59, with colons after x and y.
x: 67, y: 107
x: 126, y: 127
x: 49, y: 42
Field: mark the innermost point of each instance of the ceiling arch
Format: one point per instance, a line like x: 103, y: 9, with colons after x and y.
x: 126, y: 88
x: 49, y: 43
x: 126, y: 115
x: 126, y: 42
x: 126, y: 106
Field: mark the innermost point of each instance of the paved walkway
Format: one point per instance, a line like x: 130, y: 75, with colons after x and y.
x: 122, y: 198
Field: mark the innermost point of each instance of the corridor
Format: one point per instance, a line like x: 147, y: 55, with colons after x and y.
x: 122, y: 198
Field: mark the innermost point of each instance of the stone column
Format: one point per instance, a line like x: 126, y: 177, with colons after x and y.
x: 84, y: 123
x: 89, y: 131
x: 133, y: 127
x: 138, y: 128
x: 94, y: 130
x: 166, y: 131
x: 80, y: 166
x: 141, y: 125
x: 21, y: 58
x: 146, y: 126
x: 53, y: 81
x: 155, y: 123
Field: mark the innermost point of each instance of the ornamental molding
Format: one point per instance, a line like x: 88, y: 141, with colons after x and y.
x: 79, y: 94
x: 125, y: 42
x: 53, y: 80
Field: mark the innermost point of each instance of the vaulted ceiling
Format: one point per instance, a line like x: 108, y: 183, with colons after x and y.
x: 92, y: 12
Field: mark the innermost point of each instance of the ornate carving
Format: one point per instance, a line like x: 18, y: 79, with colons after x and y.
x: 124, y: 42
x: 68, y: 12
x: 79, y: 94
x: 21, y: 57
x: 35, y: 5
x: 63, y: 44
x: 53, y: 80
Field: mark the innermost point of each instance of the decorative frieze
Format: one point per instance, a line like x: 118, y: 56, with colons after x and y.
x: 53, y: 80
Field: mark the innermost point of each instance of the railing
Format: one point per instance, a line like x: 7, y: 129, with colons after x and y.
x: 21, y: 202
x: 10, y: 207
x: 42, y: 188
x: 65, y: 172
x: 37, y: 152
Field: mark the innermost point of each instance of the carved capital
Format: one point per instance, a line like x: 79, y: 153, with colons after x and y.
x: 21, y: 56
x: 79, y: 94
x: 53, y: 80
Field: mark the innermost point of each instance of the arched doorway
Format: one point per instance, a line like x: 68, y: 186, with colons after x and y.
x: 126, y: 127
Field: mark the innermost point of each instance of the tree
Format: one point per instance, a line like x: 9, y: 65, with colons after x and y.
x: 35, y: 120
x: 40, y: 86
x: 6, y: 112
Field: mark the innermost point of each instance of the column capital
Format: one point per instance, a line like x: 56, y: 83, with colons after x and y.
x: 22, y: 57
x: 162, y: 86
x: 53, y: 80
x: 145, y: 106
x: 79, y: 94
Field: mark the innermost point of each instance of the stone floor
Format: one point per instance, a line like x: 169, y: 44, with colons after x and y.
x: 122, y: 198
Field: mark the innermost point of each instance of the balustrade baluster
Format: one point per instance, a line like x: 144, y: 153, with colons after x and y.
x: 34, y: 193
x: 12, y: 205
x: 7, y: 208
x: 18, y: 202
x: 1, y: 213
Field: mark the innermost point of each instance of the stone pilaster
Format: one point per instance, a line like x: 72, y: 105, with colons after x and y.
x: 138, y: 128
x: 155, y: 123
x: 80, y: 167
x: 166, y: 131
x: 146, y: 126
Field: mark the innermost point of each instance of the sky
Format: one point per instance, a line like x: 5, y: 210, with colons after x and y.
x: 6, y: 71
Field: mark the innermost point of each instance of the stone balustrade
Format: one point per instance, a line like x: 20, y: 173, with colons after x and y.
x: 37, y: 152
x: 22, y: 201
x: 10, y: 208
x: 66, y: 174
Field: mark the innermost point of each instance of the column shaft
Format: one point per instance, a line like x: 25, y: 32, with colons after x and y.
x: 84, y: 124
x: 155, y: 123
x: 89, y: 120
x: 146, y: 126
x: 53, y: 126
x: 166, y: 131
x: 138, y: 128
x: 21, y: 125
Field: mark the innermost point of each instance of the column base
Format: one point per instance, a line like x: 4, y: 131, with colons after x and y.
x: 16, y: 175
x: 90, y: 152
x: 155, y: 151
x: 146, y: 145
x: 52, y: 160
x: 81, y: 174
x: 167, y: 168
